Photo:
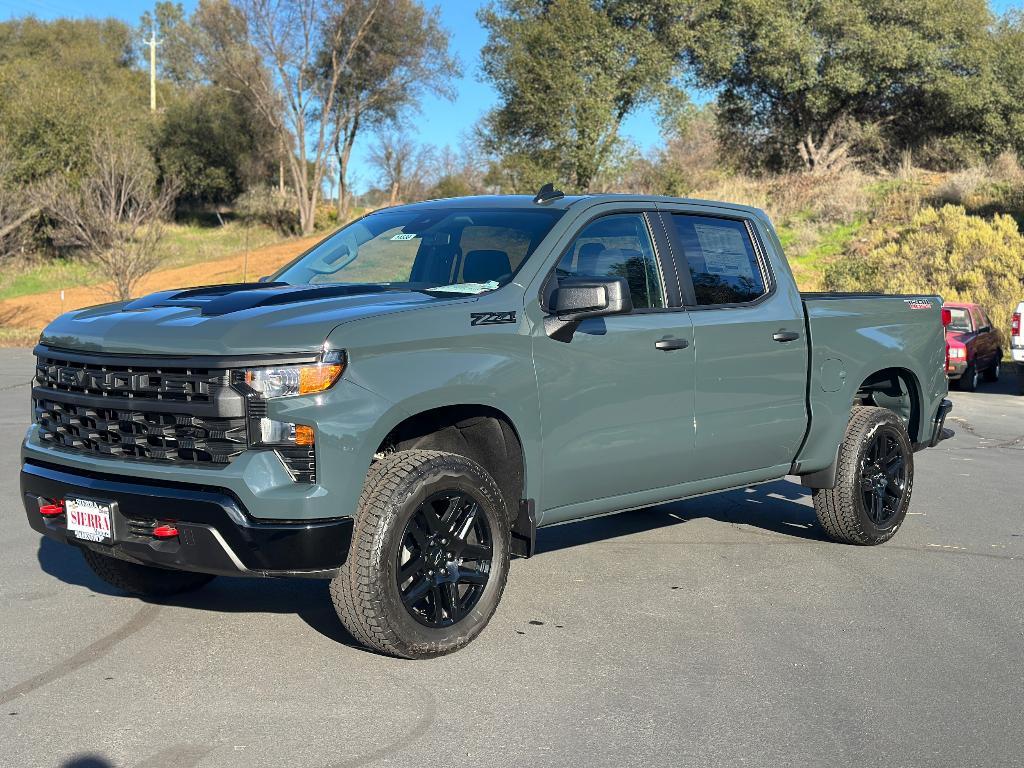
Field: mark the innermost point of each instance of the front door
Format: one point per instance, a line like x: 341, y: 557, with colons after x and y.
x: 617, y: 400
x: 751, y: 351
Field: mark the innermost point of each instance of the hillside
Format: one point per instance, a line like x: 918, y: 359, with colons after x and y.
x: 23, y: 317
x: 957, y: 234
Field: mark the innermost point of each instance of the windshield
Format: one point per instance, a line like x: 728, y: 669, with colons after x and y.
x: 960, y: 319
x: 452, y: 250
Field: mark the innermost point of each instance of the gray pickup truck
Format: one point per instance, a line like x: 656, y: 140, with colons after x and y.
x: 400, y: 408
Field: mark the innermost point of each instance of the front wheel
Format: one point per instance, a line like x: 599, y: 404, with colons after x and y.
x: 429, y: 555
x: 874, y: 480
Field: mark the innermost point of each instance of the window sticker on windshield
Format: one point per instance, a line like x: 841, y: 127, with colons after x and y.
x: 724, y: 251
x: 404, y: 236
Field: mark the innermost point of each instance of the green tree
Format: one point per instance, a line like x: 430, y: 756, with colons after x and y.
x: 800, y: 82
x: 567, y: 73
x: 61, y: 82
x: 211, y: 138
x: 214, y: 145
x: 404, y: 56
x: 1009, y: 59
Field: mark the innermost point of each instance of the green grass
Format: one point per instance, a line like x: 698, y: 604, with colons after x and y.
x: 186, y: 244
x: 181, y: 246
x: 23, y: 280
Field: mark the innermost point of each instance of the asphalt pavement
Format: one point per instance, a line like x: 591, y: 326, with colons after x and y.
x: 720, y: 631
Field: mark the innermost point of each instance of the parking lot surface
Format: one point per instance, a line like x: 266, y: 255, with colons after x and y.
x: 719, y: 631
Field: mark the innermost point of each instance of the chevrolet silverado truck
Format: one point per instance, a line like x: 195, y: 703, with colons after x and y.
x: 400, y: 408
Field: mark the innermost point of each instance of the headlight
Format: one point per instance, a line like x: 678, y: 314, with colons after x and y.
x: 957, y: 352
x: 289, y: 380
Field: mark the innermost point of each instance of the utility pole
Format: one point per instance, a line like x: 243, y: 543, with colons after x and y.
x: 152, y: 43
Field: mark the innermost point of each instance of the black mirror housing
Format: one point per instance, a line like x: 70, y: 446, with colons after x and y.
x: 578, y: 298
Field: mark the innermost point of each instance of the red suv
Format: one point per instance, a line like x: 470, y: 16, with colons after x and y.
x: 973, y: 347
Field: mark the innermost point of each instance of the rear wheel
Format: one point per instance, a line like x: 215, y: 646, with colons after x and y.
x: 874, y: 480
x: 992, y: 372
x: 969, y: 381
x: 143, y: 580
x: 429, y: 555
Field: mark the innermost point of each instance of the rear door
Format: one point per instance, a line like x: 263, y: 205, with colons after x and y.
x: 750, y: 344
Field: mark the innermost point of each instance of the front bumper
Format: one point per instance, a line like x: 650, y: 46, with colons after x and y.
x: 955, y: 369
x: 216, y: 534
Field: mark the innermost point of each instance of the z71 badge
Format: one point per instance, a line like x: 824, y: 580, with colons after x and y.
x: 918, y: 303
x: 491, y: 318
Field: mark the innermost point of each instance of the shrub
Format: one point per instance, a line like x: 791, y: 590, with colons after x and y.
x: 945, y: 251
x: 959, y: 187
x: 263, y: 205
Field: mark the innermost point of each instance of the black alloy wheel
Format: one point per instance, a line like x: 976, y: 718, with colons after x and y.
x: 445, y: 559
x: 883, y: 476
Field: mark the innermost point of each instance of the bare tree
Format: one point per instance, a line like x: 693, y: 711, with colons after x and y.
x: 401, y: 165
x: 404, y: 55
x: 18, y: 206
x: 270, y: 50
x: 116, y: 214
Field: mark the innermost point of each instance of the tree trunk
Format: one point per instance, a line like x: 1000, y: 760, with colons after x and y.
x: 826, y: 155
x: 394, y: 193
x: 8, y: 228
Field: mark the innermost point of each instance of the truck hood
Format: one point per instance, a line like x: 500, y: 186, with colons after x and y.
x: 239, y: 319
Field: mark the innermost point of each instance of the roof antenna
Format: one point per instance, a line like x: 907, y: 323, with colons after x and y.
x: 547, y: 194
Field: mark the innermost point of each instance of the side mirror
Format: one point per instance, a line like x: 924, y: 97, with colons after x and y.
x: 264, y: 279
x: 577, y: 299
x: 985, y: 329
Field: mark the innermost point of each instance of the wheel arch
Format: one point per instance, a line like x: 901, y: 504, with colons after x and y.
x: 898, y: 390
x: 480, y: 432
x: 894, y: 388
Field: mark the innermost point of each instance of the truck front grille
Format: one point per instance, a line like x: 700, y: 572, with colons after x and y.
x: 140, y: 434
x: 136, y: 382
x: 138, y: 408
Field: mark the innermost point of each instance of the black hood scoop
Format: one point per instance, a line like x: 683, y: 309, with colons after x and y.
x: 214, y: 300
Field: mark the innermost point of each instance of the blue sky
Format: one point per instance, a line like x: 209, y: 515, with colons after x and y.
x: 439, y: 122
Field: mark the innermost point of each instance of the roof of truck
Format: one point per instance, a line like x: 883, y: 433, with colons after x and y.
x: 563, y: 203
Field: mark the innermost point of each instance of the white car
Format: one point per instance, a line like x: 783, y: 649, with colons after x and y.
x: 1017, y: 345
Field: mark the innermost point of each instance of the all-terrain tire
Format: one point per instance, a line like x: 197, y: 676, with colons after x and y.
x: 143, y: 580
x: 842, y: 511
x: 367, y: 593
x: 992, y: 372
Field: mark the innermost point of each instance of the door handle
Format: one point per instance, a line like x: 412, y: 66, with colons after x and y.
x: 785, y: 336
x: 669, y: 345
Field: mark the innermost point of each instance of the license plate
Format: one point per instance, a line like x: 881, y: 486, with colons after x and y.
x: 89, y: 520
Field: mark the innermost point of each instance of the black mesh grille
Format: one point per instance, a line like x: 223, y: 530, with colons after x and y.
x: 141, y: 434
x: 156, y: 412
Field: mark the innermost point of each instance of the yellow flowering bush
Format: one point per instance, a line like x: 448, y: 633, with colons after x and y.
x: 945, y: 251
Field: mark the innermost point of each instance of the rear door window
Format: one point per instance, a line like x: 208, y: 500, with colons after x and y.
x: 722, y: 262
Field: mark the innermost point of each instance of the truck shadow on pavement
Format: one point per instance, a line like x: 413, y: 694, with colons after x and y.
x: 778, y: 508
x: 781, y: 507
x: 309, y: 599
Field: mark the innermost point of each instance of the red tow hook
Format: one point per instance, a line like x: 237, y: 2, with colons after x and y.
x: 165, y: 532
x: 52, y: 510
